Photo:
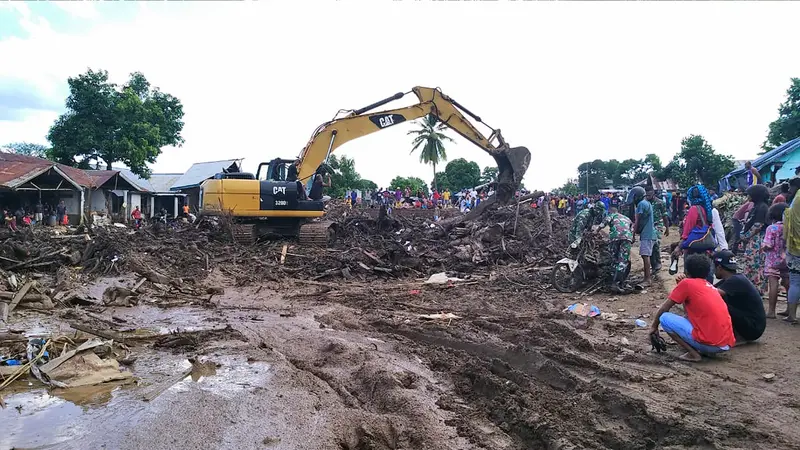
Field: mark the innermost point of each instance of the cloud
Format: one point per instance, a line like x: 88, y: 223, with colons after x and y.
x: 572, y: 82
x: 78, y: 9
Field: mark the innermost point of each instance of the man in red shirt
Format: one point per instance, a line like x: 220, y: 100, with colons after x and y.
x: 137, y: 218
x: 708, y: 329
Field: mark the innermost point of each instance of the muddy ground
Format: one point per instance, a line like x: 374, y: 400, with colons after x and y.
x: 349, y: 364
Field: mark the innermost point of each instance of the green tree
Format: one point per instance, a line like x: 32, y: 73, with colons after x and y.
x: 413, y: 183
x: 109, y: 123
x: 462, y: 174
x: 569, y: 188
x: 698, y: 162
x: 442, y: 181
x: 602, y: 174
x: 368, y: 184
x: 592, y: 175
x: 344, y: 176
x: 787, y: 126
x: 431, y: 138
x: 489, y: 174
x: 27, y: 149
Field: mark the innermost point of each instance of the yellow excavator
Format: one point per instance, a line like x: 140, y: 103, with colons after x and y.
x: 267, y: 204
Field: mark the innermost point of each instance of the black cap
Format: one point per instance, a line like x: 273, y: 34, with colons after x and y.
x: 725, y: 259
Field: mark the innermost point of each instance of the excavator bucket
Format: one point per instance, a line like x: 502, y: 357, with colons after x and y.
x: 512, y: 164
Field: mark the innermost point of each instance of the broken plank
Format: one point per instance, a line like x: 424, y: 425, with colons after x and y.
x: 371, y: 256
x: 283, y: 253
x: 21, y: 293
x: 138, y: 285
x: 160, y: 388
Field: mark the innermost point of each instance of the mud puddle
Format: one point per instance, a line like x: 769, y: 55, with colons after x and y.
x: 99, y: 415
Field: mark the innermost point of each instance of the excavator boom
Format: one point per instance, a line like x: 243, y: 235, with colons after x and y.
x: 511, y: 162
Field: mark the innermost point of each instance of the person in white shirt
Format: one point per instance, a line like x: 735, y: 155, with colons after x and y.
x: 719, y: 230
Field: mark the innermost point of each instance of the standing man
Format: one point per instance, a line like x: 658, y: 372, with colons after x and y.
x: 753, y: 176
x: 61, y: 212
x: 661, y: 222
x: 562, y: 206
x: 606, y: 200
x: 644, y: 227
x: 620, y: 234
x: 137, y: 218
x: 37, y: 211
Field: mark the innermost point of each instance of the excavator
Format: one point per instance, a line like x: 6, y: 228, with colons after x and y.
x: 267, y: 204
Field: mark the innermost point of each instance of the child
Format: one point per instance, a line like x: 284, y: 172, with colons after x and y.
x: 774, y: 246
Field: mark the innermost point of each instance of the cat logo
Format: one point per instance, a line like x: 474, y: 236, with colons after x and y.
x: 277, y: 189
x: 386, y: 120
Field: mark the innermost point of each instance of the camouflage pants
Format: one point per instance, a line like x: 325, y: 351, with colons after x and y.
x: 620, y: 252
x: 655, y: 257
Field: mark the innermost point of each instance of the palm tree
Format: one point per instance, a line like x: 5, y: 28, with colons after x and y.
x: 431, y: 139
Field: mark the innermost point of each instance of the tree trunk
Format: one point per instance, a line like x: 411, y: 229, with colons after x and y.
x: 434, y: 175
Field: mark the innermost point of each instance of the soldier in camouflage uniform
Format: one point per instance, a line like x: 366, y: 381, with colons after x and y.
x: 661, y: 222
x: 620, y: 234
x: 585, y: 220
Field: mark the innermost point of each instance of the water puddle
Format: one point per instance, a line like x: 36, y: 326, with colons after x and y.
x: 35, y: 417
x: 38, y: 418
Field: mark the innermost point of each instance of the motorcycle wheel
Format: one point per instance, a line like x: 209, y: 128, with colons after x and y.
x: 565, y: 280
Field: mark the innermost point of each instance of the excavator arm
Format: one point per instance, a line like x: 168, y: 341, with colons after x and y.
x: 512, y: 162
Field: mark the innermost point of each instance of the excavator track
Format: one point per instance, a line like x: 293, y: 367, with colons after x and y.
x: 244, y: 234
x: 317, y: 233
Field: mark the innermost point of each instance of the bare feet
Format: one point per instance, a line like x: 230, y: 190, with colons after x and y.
x: 771, y: 315
x: 690, y: 357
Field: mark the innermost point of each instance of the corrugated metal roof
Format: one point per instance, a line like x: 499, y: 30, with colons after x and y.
x: 16, y: 170
x: 200, y: 172
x: 162, y: 182
x: 135, y: 180
x: 770, y: 156
x: 157, y: 183
x: 99, y: 177
x: 666, y: 185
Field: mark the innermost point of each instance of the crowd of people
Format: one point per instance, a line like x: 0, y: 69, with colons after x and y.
x: 31, y: 215
x: 465, y: 200
x: 762, y: 258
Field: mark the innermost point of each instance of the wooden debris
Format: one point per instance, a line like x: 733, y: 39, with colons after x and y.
x: 18, y: 297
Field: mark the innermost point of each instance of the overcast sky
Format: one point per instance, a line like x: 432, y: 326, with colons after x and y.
x: 570, y: 81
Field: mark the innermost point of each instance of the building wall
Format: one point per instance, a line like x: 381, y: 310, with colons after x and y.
x: 73, y: 203
x: 98, y: 200
x: 791, y: 161
x: 136, y: 200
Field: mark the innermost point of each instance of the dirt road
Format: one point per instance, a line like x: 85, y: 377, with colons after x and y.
x: 352, y: 365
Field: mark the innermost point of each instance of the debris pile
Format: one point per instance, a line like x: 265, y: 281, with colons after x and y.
x: 60, y: 362
x: 408, y: 245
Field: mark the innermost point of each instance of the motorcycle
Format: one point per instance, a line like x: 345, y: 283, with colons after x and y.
x: 588, y: 258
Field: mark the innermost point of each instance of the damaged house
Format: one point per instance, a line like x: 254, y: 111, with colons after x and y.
x: 26, y: 180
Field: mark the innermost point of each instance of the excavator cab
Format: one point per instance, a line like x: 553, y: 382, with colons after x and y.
x: 274, y: 170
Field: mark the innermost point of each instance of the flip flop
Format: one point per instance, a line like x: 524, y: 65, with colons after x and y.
x: 790, y: 321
